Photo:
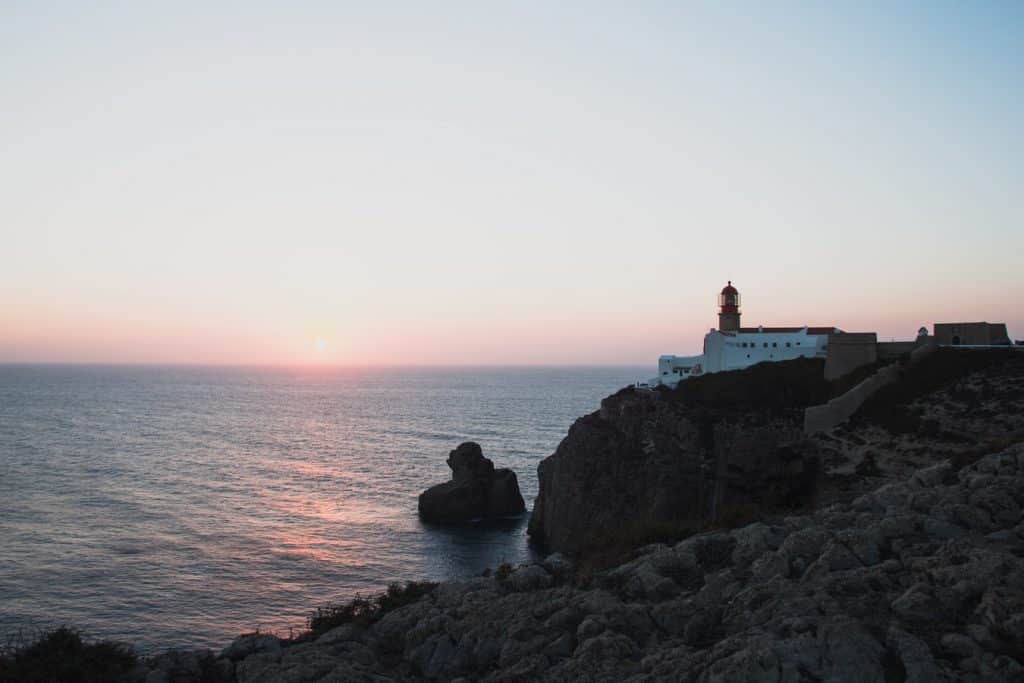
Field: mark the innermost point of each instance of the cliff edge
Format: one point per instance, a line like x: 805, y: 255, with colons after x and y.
x: 729, y: 448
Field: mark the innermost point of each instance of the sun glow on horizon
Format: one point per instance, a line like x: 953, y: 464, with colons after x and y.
x: 552, y: 183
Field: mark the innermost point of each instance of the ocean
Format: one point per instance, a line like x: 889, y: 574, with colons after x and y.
x: 181, y: 506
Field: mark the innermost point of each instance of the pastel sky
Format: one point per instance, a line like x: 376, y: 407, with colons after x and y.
x: 485, y: 182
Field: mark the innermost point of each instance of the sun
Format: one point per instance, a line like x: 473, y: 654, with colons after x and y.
x: 320, y: 344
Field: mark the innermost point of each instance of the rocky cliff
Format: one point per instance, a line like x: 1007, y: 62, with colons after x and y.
x: 730, y: 447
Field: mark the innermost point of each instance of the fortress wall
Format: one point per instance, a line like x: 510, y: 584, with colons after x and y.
x: 849, y: 351
x: 840, y: 409
x: 893, y: 350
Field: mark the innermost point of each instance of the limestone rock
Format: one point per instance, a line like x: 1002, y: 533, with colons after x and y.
x: 721, y: 448
x: 251, y: 643
x: 530, y: 577
x: 476, y: 490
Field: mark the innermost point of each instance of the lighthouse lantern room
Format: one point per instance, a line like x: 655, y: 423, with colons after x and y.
x: 729, y: 309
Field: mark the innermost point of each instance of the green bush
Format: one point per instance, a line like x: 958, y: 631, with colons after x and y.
x: 61, y: 655
x: 363, y: 611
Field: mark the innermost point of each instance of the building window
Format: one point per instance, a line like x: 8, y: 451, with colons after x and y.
x: 748, y: 355
x: 766, y: 345
x: 788, y: 345
x: 798, y: 343
x: 774, y: 344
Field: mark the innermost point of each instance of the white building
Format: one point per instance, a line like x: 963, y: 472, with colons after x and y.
x: 732, y: 347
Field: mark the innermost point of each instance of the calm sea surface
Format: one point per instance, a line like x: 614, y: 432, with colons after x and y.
x: 181, y: 506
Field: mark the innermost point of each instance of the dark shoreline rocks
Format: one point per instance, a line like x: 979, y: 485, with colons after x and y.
x: 477, y: 490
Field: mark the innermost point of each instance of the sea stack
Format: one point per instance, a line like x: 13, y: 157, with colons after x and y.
x: 476, y: 490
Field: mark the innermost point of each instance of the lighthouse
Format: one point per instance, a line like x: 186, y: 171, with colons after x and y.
x: 729, y: 309
x: 732, y: 347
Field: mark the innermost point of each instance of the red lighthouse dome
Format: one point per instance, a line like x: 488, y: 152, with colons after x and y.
x: 729, y: 299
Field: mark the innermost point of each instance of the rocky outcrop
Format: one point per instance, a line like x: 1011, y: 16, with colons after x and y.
x: 476, y: 491
x: 954, y: 404
x: 730, y: 447
x: 919, y: 580
x: 717, y: 449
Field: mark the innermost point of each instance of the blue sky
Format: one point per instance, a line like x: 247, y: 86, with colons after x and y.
x: 499, y: 182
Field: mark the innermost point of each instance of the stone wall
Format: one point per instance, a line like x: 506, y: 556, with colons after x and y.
x: 840, y: 409
x: 849, y: 351
x: 970, y: 334
x: 893, y: 350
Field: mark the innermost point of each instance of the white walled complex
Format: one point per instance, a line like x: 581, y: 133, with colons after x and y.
x: 740, y: 347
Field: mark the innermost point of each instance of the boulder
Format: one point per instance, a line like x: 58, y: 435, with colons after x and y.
x: 251, y: 643
x: 476, y: 490
x: 530, y: 577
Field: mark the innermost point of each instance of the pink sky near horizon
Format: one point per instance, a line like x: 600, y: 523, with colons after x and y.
x: 520, y: 183
x: 620, y: 337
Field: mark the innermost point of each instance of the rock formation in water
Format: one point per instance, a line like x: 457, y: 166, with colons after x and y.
x: 730, y: 447
x: 476, y: 491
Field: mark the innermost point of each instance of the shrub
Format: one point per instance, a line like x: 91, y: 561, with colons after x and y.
x: 63, y: 655
x: 398, y: 595
x: 868, y: 466
x: 503, y: 571
x: 940, y: 370
x: 778, y: 388
x: 363, y: 611
x: 621, y: 545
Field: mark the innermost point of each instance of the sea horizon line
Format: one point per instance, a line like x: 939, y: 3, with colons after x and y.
x: 317, y: 366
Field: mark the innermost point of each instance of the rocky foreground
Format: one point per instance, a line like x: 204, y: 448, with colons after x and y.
x: 919, y: 580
